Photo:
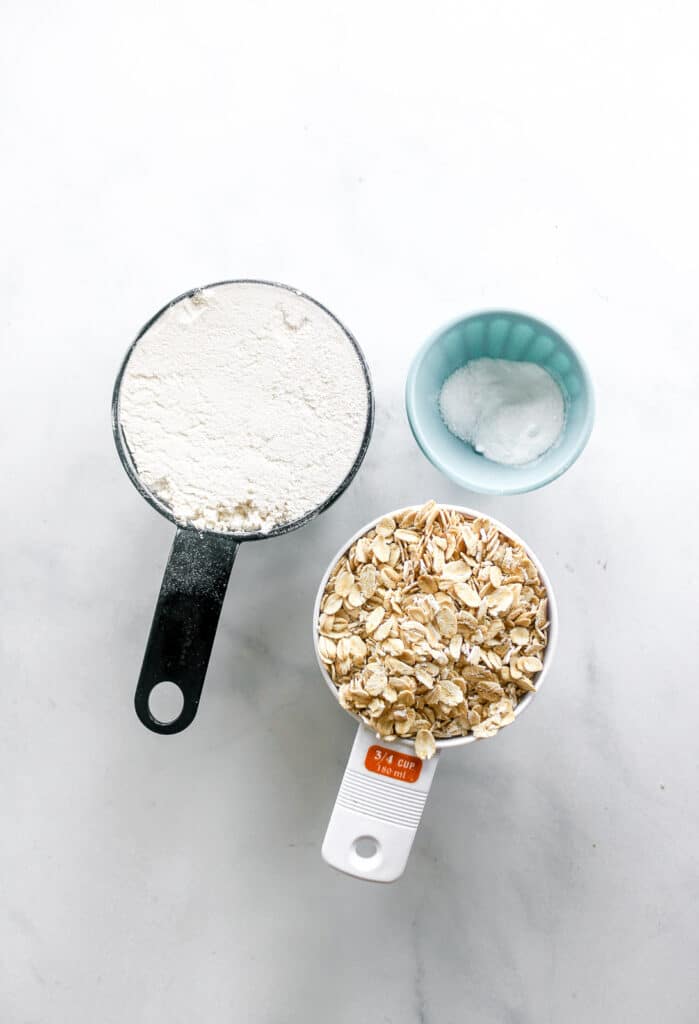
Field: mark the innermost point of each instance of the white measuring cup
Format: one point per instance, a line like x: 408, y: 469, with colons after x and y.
x: 385, y: 785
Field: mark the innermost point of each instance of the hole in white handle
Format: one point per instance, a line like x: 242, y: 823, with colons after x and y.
x: 365, y: 847
x: 165, y: 702
x: 365, y: 855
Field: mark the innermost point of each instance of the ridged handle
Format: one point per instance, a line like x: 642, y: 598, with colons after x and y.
x: 378, y: 809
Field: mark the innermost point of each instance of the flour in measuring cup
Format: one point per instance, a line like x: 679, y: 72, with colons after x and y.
x: 244, y: 407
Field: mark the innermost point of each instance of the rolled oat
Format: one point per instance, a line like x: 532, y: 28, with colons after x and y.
x: 433, y: 625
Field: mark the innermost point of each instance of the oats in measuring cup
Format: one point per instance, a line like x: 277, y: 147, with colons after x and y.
x: 433, y: 625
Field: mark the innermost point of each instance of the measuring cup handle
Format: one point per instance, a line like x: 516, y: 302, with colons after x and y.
x: 379, y: 806
x: 184, y: 623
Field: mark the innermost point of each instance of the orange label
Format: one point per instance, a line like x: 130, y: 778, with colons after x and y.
x: 384, y: 761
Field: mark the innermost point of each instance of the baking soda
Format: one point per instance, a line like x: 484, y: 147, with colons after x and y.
x: 510, y: 412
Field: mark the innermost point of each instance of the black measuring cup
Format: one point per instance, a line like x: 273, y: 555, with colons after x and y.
x: 200, y: 562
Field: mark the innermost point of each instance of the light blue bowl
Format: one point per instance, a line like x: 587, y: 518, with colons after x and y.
x: 498, y: 335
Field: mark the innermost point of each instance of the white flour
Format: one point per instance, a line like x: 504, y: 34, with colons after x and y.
x: 510, y: 412
x: 244, y: 407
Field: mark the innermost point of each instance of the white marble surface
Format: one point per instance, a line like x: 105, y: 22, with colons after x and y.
x: 404, y: 167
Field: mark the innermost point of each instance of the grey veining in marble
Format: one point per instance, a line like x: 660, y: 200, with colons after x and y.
x: 403, y: 166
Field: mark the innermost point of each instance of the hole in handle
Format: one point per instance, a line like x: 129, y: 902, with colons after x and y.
x: 366, y: 847
x: 165, y: 702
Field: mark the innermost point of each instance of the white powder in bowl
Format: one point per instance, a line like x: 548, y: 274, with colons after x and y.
x: 510, y: 412
x: 244, y: 407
